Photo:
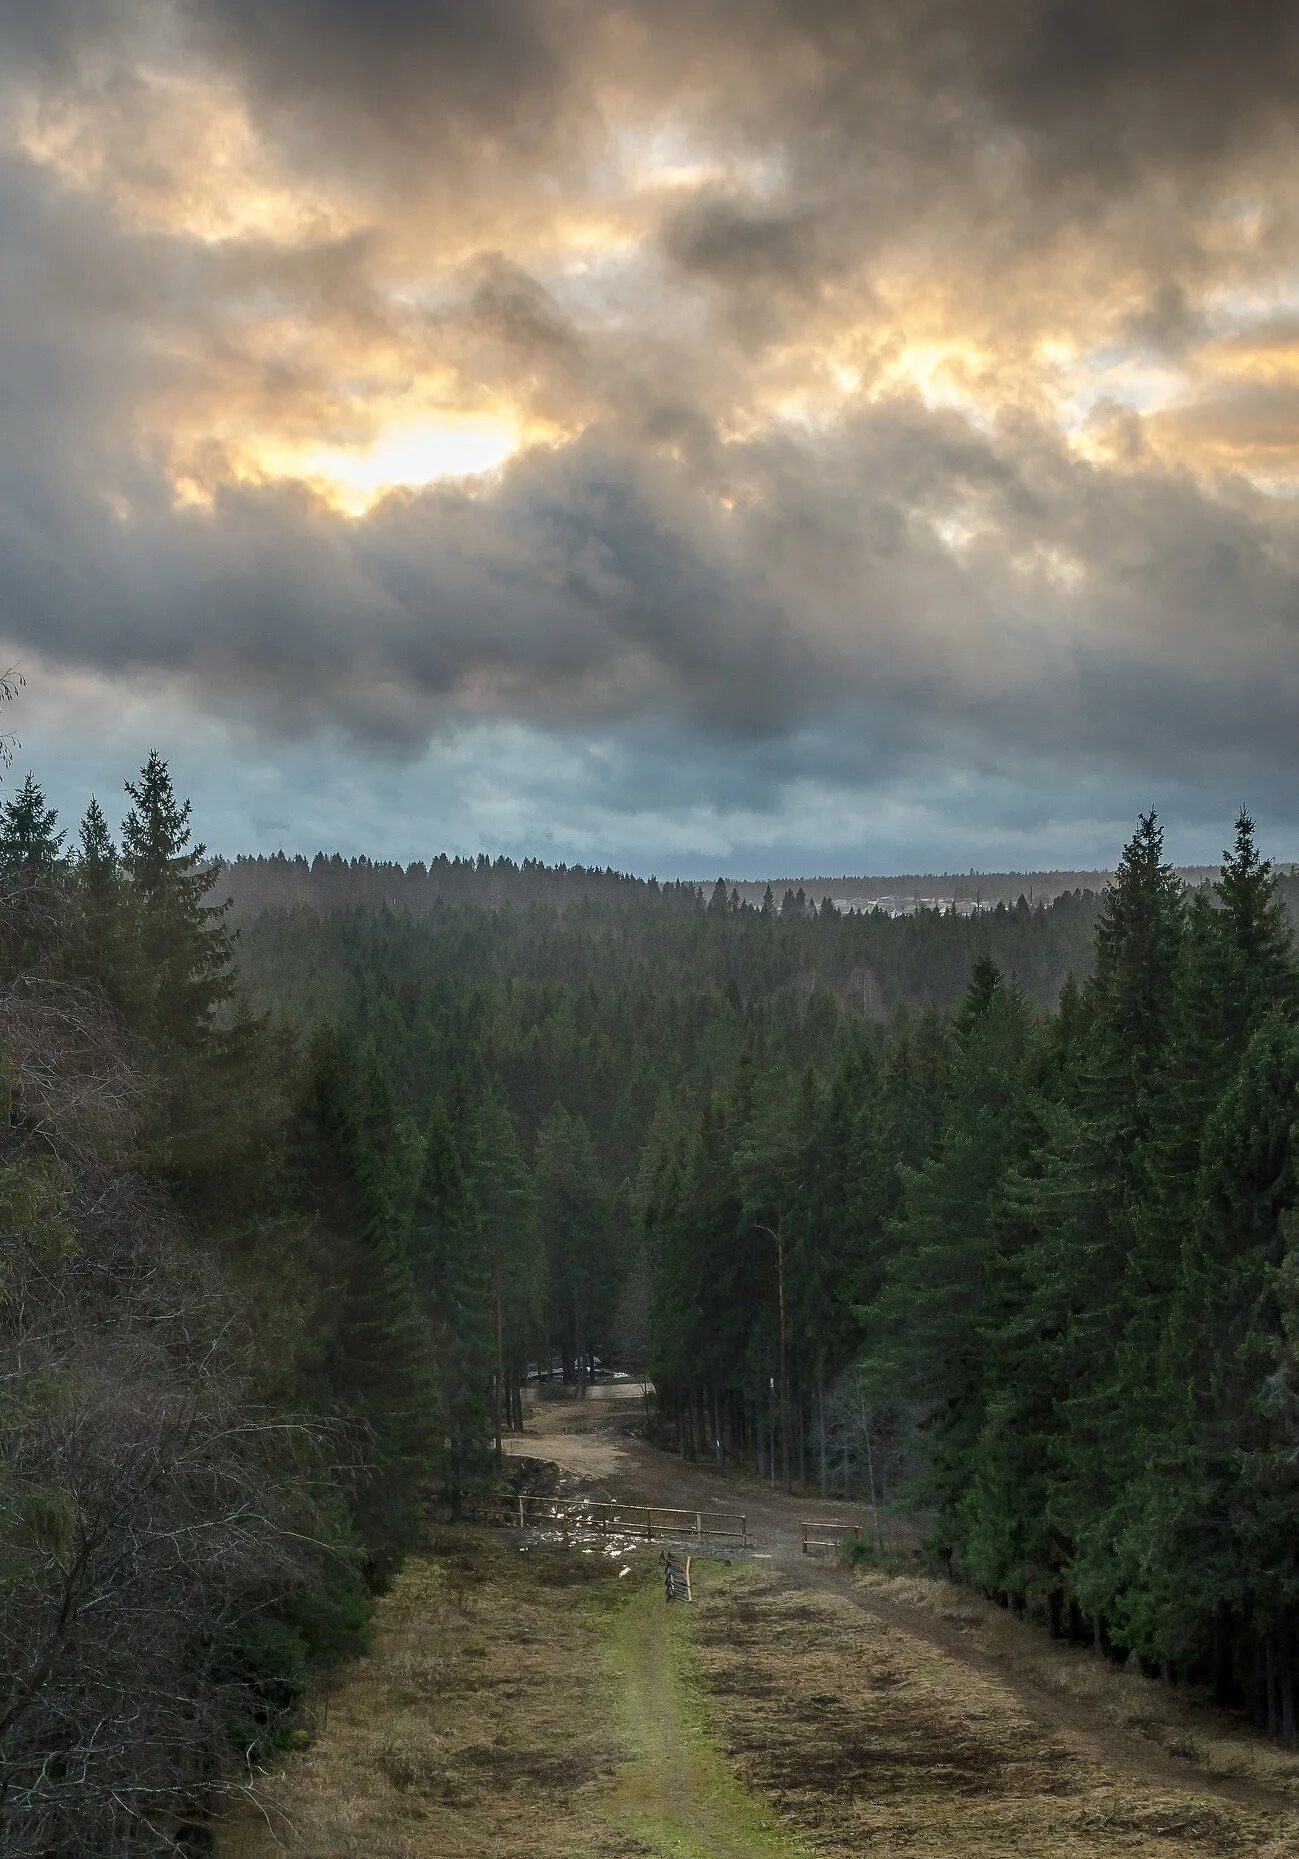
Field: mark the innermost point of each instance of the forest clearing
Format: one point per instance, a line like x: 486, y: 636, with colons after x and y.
x: 291, y: 1275
x: 519, y: 1692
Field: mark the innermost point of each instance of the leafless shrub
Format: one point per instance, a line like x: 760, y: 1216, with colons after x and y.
x: 74, y: 1078
x: 149, y: 1512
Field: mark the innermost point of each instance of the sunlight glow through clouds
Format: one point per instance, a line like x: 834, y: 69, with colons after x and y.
x: 408, y: 455
x: 405, y: 456
x: 880, y: 372
x: 179, y: 156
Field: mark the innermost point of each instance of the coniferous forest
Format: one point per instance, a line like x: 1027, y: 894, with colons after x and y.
x: 987, y: 1222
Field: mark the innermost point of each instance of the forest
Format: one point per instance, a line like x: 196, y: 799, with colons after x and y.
x: 987, y: 1218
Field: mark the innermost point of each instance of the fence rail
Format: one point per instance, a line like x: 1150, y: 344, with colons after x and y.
x: 578, y: 1517
x: 823, y: 1535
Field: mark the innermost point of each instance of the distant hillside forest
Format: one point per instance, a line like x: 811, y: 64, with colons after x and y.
x: 568, y: 928
x: 330, y: 882
x: 989, y: 1216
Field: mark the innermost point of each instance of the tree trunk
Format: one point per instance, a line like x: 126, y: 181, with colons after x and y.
x: 1285, y: 1681
x: 820, y: 1422
x: 498, y: 1389
x: 1224, y: 1664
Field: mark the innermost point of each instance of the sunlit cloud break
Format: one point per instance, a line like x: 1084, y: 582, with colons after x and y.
x: 887, y: 404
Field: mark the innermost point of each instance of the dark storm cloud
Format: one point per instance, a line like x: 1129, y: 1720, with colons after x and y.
x: 1107, y: 85
x: 708, y: 251
x: 721, y: 238
x: 416, y: 70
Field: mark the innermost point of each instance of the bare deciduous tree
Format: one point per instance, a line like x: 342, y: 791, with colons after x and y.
x: 149, y: 1512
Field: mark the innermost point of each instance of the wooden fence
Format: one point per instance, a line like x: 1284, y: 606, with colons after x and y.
x: 575, y: 1517
x: 822, y: 1535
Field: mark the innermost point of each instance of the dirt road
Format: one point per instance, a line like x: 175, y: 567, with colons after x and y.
x: 596, y: 1439
x: 1097, y: 1714
x: 522, y: 1694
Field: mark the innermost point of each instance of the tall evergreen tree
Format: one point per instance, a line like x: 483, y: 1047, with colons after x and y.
x: 102, y: 906
x: 377, y: 1354
x: 30, y: 847
x: 31, y: 864
x: 507, y: 1210
x: 185, y: 951
x: 453, y: 1283
x: 1092, y: 1190
x: 575, y: 1217
x: 926, y: 1332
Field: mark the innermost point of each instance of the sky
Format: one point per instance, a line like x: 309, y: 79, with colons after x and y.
x: 766, y: 436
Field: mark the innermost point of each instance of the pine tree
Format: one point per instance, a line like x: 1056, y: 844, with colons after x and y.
x: 575, y: 1225
x: 102, y: 907
x: 30, y: 847
x: 1092, y: 1191
x: 1236, y: 967
x: 1138, y: 945
x: 30, y: 864
x: 926, y: 1332
x: 1236, y: 971
x: 507, y: 1211
x: 377, y: 1350
x: 185, y: 950
x: 453, y: 1283
x: 97, y: 861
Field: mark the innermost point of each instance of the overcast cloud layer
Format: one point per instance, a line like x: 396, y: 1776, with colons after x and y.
x: 761, y: 434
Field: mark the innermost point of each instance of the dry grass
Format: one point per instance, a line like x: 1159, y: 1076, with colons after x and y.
x: 475, y: 1729
x: 871, y: 1739
x: 526, y: 1700
x: 1179, y: 1723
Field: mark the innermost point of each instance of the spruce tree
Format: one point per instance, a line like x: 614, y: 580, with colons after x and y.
x: 102, y: 907
x: 185, y: 950
x: 30, y: 847
x: 926, y: 1332
x: 1092, y: 1191
x: 452, y: 1280
x: 1236, y: 971
x: 31, y: 864
x: 377, y: 1353
x: 507, y: 1211
x: 575, y: 1224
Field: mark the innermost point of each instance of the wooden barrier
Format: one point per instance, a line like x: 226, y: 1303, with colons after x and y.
x: 578, y: 1517
x: 821, y: 1535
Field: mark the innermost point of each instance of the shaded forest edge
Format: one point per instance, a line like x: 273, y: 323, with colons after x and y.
x: 284, y: 1237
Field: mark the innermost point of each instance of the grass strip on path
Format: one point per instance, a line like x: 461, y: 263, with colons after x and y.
x: 678, y: 1797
